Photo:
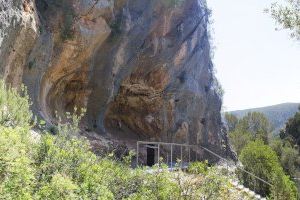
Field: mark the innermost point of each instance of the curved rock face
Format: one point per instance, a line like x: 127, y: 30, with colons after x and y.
x: 141, y: 68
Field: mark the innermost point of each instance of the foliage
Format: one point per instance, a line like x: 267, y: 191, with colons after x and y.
x: 215, y: 185
x: 292, y: 129
x: 67, y: 32
x: 288, y: 156
x: 14, y: 107
x: 290, y: 160
x: 288, y: 16
x: 31, y: 64
x: 198, y: 167
x: 283, y: 188
x: 16, y: 170
x: 62, y: 166
x: 277, y: 114
x: 256, y: 124
x: 212, y: 184
x: 172, y: 3
x: 60, y: 187
x: 115, y: 27
x: 261, y: 160
x: 231, y: 121
x: 239, y: 140
x: 253, y: 126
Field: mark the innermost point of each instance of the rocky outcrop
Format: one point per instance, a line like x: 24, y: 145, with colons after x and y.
x: 18, y: 34
x: 141, y: 68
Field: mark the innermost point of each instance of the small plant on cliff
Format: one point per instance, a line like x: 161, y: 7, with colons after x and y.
x: 172, y: 3
x: 115, y: 27
x: 67, y: 32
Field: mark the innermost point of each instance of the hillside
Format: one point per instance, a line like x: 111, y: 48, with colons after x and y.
x: 277, y: 114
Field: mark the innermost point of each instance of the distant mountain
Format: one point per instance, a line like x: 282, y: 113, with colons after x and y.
x: 277, y: 114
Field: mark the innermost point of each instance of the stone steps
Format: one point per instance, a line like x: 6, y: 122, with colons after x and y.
x: 249, y: 192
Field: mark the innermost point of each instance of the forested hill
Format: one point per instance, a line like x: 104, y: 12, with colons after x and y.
x: 277, y: 114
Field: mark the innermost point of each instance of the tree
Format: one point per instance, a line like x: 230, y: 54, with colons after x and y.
x: 251, y: 127
x: 288, y: 16
x: 290, y: 160
x: 291, y: 132
x: 239, y: 140
x: 262, y: 161
x: 292, y: 129
x: 288, y: 156
x: 257, y: 124
x: 231, y: 121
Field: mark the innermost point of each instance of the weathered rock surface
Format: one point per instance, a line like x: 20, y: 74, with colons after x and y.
x: 141, y: 68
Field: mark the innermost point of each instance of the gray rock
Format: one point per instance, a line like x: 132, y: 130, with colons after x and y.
x: 142, y: 68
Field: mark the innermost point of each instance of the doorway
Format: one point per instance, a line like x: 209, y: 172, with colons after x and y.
x: 150, y: 155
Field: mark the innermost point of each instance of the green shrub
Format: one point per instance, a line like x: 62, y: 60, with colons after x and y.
x: 16, y: 170
x: 31, y: 64
x: 14, y: 107
x: 60, y: 187
x: 262, y: 161
x: 198, y: 168
x: 239, y: 140
x: 68, y: 32
x: 215, y: 186
x: 116, y: 28
x: 157, y: 185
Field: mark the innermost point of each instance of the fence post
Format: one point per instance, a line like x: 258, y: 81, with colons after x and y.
x: 181, y: 157
x: 158, y: 154
x: 167, y: 160
x: 189, y: 154
x: 227, y: 168
x: 171, y: 157
x: 137, y: 154
x: 254, y: 188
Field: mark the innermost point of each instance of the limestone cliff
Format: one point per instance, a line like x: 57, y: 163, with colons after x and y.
x: 141, y: 68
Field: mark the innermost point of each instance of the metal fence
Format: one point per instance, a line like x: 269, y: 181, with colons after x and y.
x: 189, y: 153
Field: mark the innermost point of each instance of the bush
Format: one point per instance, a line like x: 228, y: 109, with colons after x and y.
x: 60, y: 187
x: 16, y: 164
x: 14, y: 107
x: 62, y: 166
x: 262, y: 161
x: 198, y: 167
x: 239, y: 140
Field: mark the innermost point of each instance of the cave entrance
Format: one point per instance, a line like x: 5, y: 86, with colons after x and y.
x: 150, y: 155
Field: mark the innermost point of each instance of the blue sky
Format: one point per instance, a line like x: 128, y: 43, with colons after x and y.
x: 256, y: 65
